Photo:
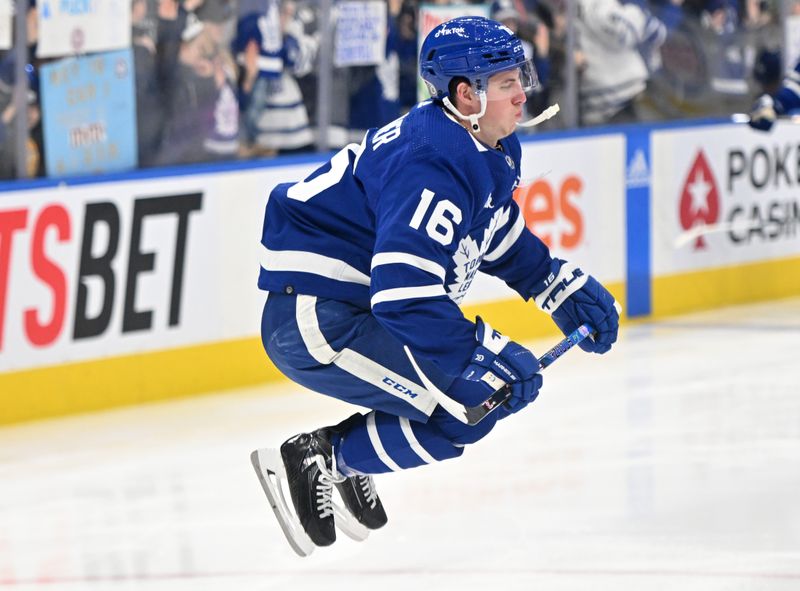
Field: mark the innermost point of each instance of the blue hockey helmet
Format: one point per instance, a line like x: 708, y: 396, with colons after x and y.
x: 473, y: 47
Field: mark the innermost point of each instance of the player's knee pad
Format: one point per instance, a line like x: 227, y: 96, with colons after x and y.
x: 459, y: 433
x: 280, y: 336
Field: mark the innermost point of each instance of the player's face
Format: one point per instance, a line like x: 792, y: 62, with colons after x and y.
x: 505, y: 97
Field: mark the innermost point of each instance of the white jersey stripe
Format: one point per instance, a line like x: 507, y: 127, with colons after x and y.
x: 407, y: 293
x: 403, y: 258
x: 375, y: 439
x: 513, y: 233
x: 423, y: 454
x: 792, y: 85
x: 269, y: 64
x: 308, y: 324
x: 301, y: 261
x: 355, y: 363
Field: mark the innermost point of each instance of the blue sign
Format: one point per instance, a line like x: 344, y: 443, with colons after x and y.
x: 89, y: 114
x: 637, y: 181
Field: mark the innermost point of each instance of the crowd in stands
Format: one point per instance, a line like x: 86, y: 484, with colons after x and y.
x: 226, y: 79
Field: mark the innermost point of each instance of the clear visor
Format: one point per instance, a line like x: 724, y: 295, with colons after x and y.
x: 508, y: 83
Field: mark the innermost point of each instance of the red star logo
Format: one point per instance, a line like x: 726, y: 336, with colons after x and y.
x: 699, y: 198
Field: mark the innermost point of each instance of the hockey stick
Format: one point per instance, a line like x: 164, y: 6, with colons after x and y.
x: 472, y: 415
x: 703, y: 230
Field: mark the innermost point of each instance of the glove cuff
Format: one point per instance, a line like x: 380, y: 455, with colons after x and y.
x: 488, y: 337
x: 562, y: 282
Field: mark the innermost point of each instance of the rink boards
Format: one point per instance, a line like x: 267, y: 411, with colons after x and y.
x: 141, y: 287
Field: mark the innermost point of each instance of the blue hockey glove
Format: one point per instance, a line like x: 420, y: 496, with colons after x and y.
x: 498, y: 361
x: 573, y: 298
x: 764, y: 113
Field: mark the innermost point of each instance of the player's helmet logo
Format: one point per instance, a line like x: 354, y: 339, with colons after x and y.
x: 699, y: 198
x: 445, y: 30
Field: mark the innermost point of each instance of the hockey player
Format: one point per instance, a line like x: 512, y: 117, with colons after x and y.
x: 375, y: 250
x: 769, y: 107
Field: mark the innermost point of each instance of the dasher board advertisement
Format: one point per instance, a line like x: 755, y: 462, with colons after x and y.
x: 724, y: 196
x: 92, y: 271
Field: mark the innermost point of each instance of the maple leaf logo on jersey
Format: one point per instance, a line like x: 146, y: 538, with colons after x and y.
x: 469, y: 255
x: 699, y: 198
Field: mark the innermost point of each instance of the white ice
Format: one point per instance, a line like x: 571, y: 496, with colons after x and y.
x: 671, y: 463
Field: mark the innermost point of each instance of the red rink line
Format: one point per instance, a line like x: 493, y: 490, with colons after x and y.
x: 404, y: 573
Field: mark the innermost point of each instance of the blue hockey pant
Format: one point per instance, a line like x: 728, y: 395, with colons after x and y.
x: 341, y: 350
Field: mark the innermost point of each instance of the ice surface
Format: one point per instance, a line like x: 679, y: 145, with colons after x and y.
x: 671, y: 463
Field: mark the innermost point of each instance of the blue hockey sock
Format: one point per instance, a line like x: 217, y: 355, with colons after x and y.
x: 381, y: 442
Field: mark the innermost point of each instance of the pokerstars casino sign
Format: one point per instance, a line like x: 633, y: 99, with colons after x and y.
x: 724, y: 196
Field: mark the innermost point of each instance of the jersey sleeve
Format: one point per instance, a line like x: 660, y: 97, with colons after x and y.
x: 617, y: 25
x: 789, y: 94
x: 421, y: 214
x: 516, y: 255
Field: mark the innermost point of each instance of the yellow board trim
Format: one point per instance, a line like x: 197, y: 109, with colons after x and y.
x: 726, y: 286
x: 132, y: 379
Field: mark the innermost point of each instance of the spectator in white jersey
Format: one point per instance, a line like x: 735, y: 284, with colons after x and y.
x: 612, y: 37
x: 366, y: 262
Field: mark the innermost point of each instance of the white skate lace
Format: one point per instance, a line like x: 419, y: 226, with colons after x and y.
x: 368, y: 486
x: 324, y: 492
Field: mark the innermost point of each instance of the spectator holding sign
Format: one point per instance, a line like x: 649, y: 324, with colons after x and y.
x: 371, y: 39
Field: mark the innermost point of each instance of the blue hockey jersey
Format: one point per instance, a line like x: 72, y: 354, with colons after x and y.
x: 789, y: 94
x: 401, y: 224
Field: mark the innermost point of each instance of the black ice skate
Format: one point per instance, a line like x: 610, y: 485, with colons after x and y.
x: 311, y: 473
x: 306, y: 466
x: 361, y: 499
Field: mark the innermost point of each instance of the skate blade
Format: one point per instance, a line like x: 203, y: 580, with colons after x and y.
x: 348, y: 524
x: 268, y: 465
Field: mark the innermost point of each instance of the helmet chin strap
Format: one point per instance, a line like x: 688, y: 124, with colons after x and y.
x: 473, y: 119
